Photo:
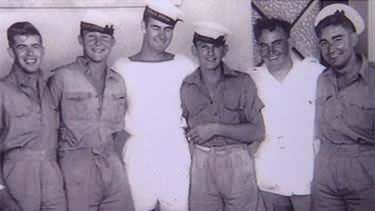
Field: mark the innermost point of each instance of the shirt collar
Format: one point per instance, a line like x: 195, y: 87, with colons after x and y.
x: 22, y: 79
x: 196, y: 77
x: 362, y: 74
x: 84, y: 62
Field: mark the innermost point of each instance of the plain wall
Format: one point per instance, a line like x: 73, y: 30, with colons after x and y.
x: 60, y: 30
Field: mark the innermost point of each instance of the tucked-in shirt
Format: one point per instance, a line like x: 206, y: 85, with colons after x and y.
x: 284, y: 161
x: 347, y: 116
x: 28, y: 118
x: 234, y: 101
x: 91, y: 119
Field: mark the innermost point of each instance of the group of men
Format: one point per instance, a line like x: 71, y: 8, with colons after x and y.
x: 154, y: 131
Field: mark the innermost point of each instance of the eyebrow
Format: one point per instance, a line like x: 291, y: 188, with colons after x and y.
x: 337, y: 36
x: 275, y: 41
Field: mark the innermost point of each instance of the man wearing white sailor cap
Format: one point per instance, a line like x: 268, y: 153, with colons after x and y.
x: 222, y: 111
x: 345, y: 117
x: 156, y: 154
x: 91, y: 99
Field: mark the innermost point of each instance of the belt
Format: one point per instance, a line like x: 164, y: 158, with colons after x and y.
x: 27, y: 154
x: 347, y: 148
x: 220, y: 148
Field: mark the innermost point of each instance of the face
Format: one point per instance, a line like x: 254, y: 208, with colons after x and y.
x: 158, y: 35
x: 27, y: 51
x: 96, y: 45
x: 209, y: 55
x: 274, y: 47
x: 337, y: 45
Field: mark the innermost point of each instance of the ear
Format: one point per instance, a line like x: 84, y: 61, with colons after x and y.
x: 226, y: 49
x: 80, y: 39
x: 11, y: 53
x: 113, y: 41
x: 355, y: 39
x: 143, y: 27
x: 194, y: 50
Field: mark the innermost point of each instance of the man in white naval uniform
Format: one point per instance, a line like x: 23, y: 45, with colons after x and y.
x: 287, y: 86
x: 156, y: 154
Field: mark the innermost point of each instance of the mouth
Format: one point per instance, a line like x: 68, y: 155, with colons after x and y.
x: 30, y: 61
x: 98, y: 50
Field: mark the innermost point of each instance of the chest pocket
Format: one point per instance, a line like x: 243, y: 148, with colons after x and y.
x: 21, y: 109
x: 75, y: 105
x: 232, y: 106
x: 116, y: 107
x: 359, y: 114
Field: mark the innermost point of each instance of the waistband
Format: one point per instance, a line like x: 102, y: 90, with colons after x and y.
x: 353, y: 149
x: 219, y: 148
x: 28, y: 154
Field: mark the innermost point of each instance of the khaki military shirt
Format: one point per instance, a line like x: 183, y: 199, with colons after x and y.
x: 90, y: 118
x: 347, y: 116
x: 28, y: 118
x: 234, y: 101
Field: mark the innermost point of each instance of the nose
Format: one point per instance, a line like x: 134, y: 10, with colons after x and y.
x: 210, y: 50
x: 273, y: 51
x: 162, y: 35
x: 29, y: 52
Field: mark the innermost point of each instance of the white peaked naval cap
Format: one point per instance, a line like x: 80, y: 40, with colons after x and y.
x: 211, y: 29
x: 349, y: 12
x: 163, y: 9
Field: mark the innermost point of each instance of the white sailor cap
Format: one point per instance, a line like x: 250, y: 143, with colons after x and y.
x: 211, y: 32
x: 164, y: 11
x: 348, y: 11
x: 95, y: 20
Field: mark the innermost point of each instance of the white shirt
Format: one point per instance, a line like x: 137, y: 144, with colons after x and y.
x: 284, y: 160
x: 154, y: 113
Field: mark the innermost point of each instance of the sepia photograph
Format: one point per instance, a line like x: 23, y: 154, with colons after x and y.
x: 187, y: 105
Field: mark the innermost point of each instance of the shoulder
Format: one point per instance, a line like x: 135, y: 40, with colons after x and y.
x: 120, y: 63
x: 311, y: 64
x: 65, y: 69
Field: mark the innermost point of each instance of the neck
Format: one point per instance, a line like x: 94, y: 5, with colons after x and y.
x: 348, y: 69
x: 97, y: 68
x: 149, y: 54
x: 280, y: 72
x: 212, y: 76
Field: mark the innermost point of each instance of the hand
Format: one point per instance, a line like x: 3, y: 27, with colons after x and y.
x: 202, y: 133
x: 7, y: 203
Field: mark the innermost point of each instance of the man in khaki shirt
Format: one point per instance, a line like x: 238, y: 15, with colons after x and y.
x: 29, y: 126
x: 91, y: 98
x: 222, y: 111
x: 345, y: 118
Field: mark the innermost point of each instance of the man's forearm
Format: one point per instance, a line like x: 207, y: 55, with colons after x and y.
x: 243, y: 133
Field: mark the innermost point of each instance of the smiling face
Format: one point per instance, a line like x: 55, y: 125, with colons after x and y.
x: 209, y: 55
x: 337, y: 45
x: 274, y: 47
x: 157, y: 35
x: 27, y: 51
x: 96, y: 45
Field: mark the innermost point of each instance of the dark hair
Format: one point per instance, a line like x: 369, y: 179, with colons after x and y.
x: 337, y: 19
x: 270, y: 24
x: 21, y: 28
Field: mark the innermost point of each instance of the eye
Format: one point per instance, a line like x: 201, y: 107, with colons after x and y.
x: 21, y: 47
x: 153, y: 27
x: 323, y: 44
x: 37, y: 46
x: 106, y: 37
x: 168, y: 29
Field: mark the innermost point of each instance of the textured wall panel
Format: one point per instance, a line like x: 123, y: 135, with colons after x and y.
x: 302, y: 12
